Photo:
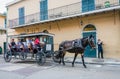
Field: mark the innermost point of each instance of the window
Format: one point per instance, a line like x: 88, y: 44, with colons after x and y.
x: 21, y: 16
x: 88, y: 5
x: 89, y: 27
x: 43, y: 9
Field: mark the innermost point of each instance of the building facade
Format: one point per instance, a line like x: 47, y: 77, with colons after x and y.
x: 69, y: 20
x: 2, y: 31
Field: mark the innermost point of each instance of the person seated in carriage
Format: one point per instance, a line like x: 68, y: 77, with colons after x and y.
x: 25, y: 45
x: 33, y: 44
x: 20, y: 45
x: 36, y: 45
x: 29, y: 44
x: 37, y: 42
x: 12, y: 46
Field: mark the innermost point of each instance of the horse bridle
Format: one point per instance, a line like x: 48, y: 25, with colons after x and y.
x: 89, y: 42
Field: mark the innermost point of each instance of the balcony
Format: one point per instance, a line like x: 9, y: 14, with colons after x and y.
x: 2, y: 28
x: 63, y: 12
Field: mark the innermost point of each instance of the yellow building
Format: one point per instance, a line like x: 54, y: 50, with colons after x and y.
x: 68, y: 20
x: 2, y: 30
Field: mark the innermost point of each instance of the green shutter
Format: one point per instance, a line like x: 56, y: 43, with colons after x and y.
x: 43, y: 10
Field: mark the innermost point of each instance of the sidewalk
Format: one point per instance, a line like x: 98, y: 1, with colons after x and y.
x: 106, y: 61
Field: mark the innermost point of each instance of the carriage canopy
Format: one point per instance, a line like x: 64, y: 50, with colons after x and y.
x: 47, y: 38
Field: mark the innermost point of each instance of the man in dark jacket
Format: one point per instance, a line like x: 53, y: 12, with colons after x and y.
x: 100, y: 48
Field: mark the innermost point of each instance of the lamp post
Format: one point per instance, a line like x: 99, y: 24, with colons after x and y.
x: 6, y: 32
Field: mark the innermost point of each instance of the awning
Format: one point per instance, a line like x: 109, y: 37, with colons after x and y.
x: 31, y: 35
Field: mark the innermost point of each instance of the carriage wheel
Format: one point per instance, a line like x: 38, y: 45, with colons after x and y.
x: 23, y: 55
x: 40, y: 58
x: 8, y: 56
x: 56, y: 57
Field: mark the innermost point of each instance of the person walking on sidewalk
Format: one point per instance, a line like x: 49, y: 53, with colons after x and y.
x: 100, y: 48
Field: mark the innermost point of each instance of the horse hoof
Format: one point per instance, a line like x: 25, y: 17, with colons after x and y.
x: 59, y: 62
x: 72, y: 65
x: 85, y: 66
x: 64, y: 64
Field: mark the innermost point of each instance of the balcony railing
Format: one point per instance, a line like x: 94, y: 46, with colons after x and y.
x: 2, y: 28
x: 68, y: 10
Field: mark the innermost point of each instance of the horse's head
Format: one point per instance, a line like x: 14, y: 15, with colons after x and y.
x: 91, y: 42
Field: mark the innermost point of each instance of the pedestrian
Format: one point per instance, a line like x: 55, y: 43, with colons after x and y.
x: 100, y: 49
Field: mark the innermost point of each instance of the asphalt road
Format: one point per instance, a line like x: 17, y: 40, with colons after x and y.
x: 18, y: 69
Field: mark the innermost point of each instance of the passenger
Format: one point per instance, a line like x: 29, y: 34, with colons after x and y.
x: 42, y: 44
x: 43, y: 47
x: 29, y: 44
x: 25, y: 45
x: 29, y: 41
x: 33, y: 44
x: 37, y: 43
x: 20, y: 45
x: 13, y: 45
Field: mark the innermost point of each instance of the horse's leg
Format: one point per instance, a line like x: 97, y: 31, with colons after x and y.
x: 63, y: 58
x: 83, y: 60
x: 74, y: 59
x: 60, y: 61
x: 60, y: 55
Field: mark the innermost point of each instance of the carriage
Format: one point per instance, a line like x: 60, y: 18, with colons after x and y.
x: 37, y: 53
x: 75, y: 46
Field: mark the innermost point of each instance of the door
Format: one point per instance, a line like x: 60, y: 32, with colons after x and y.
x: 88, y: 51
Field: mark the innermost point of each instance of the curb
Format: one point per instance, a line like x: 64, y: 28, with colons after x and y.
x: 95, y: 61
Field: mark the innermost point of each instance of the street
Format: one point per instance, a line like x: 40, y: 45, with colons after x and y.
x: 18, y: 69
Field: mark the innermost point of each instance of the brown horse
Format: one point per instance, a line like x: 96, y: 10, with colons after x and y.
x: 75, y: 46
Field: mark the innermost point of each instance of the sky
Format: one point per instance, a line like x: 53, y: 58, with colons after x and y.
x: 3, y: 4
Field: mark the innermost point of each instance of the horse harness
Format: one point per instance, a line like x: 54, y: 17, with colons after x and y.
x: 72, y: 44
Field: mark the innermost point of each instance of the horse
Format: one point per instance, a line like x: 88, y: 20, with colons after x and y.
x: 76, y: 46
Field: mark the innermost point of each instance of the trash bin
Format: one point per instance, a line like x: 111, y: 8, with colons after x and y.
x: 0, y: 50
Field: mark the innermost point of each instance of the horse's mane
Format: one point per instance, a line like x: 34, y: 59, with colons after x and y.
x: 84, y: 38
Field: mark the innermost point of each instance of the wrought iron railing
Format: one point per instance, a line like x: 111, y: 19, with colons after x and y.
x: 72, y: 9
x: 2, y: 28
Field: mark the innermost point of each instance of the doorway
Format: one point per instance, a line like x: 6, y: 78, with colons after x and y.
x: 87, y: 31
